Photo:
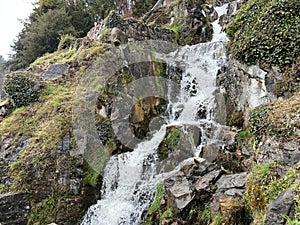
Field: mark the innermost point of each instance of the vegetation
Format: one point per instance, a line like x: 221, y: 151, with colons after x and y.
x: 266, y: 32
x: 265, y: 183
x: 22, y: 88
x: 280, y: 118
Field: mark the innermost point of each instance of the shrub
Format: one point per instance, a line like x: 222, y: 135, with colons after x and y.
x: 21, y: 89
x: 266, y: 32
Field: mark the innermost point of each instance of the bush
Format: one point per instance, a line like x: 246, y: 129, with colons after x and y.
x: 266, y: 32
x: 21, y: 89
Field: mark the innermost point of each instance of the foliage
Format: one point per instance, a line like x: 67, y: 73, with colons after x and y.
x: 166, y: 214
x: 173, y: 137
x: 266, y: 32
x: 40, y: 37
x: 265, y: 183
x: 279, y: 118
x: 206, y: 216
x: 22, y: 89
x: 90, y: 176
x: 142, y: 7
x: 160, y: 191
x: 43, y: 212
x: 290, y: 81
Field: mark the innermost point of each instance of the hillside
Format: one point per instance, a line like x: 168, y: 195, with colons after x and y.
x: 63, y: 118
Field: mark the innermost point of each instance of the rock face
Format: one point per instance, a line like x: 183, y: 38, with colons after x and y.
x: 283, y: 205
x: 54, y: 71
x: 14, y: 209
x: 198, y: 184
x: 184, y: 22
x: 246, y: 87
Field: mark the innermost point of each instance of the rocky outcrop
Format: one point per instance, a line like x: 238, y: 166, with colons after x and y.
x: 246, y: 87
x: 283, y: 205
x: 198, y: 184
x: 14, y: 208
x: 183, y: 22
x: 54, y: 71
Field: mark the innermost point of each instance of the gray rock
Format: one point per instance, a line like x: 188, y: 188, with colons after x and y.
x: 204, y: 184
x: 232, y: 184
x: 54, y: 71
x: 178, y: 190
x: 272, y: 150
x: 14, y: 208
x: 283, y: 205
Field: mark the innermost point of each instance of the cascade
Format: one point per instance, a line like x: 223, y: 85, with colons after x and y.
x: 130, y: 178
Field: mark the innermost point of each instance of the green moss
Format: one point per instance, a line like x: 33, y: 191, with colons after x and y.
x: 173, y: 138
x: 90, y: 176
x: 111, y: 145
x: 160, y: 191
x: 166, y: 214
x: 43, y: 212
x: 217, y: 220
x: 266, y: 32
x: 265, y: 183
x: 205, y: 216
x: 279, y: 118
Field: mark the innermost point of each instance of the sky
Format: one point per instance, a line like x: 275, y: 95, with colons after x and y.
x: 10, y: 26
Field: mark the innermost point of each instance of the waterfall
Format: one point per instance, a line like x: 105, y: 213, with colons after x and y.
x: 130, y: 178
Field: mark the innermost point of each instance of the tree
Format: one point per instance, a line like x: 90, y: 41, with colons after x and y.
x: 40, y: 37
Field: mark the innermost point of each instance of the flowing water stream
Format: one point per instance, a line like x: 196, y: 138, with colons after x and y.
x: 130, y: 178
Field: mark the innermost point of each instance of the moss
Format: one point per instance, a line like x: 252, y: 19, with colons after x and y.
x: 43, y: 212
x: 168, y: 214
x: 205, y: 216
x: 236, y: 119
x: 265, y: 183
x: 217, y: 220
x: 173, y: 138
x: 279, y: 118
x: 160, y: 191
x: 90, y: 176
x: 266, y: 32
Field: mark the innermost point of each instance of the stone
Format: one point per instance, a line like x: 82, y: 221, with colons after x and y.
x: 54, y: 71
x: 188, y: 164
x: 210, y: 152
x: 232, y: 182
x: 14, y: 208
x: 118, y: 37
x: 178, y: 190
x: 204, y: 184
x: 283, y: 205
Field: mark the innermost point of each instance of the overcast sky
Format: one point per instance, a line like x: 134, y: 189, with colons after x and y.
x: 10, y: 12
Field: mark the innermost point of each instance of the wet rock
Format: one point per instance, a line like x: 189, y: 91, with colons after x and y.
x: 14, y: 208
x: 247, y: 87
x: 117, y: 37
x: 283, y: 205
x: 179, y: 191
x: 54, y: 71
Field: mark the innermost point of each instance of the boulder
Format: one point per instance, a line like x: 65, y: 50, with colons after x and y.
x: 178, y: 191
x: 14, y: 208
x: 283, y: 205
x: 55, y: 71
